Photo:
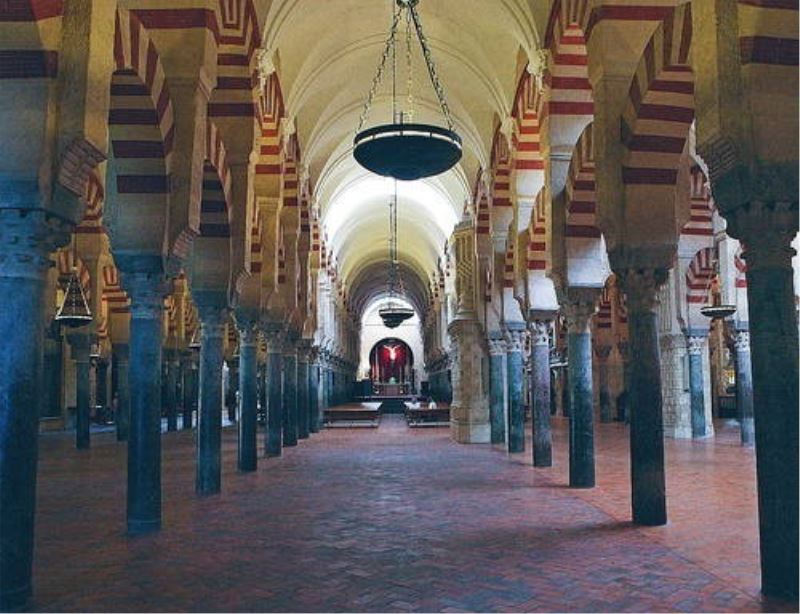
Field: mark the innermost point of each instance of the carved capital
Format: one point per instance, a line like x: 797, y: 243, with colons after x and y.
x: 212, y: 321
x: 741, y: 341
x: 147, y: 290
x: 540, y: 332
x: 497, y: 346
x: 578, y: 314
x: 766, y: 230
x: 515, y: 340
x: 641, y: 287
x: 27, y: 237
x: 695, y: 345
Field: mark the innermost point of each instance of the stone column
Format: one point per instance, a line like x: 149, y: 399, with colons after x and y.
x: 229, y: 398
x: 172, y: 389
x: 80, y: 343
x: 102, y: 383
x: 695, y: 345
x: 603, y: 352
x: 497, y: 388
x: 579, y: 312
x: 315, y: 407
x: 213, y: 317
x: 26, y: 239
x: 189, y: 402
x: 516, y: 413
x: 623, y: 411
x: 147, y: 287
x: 744, y: 387
x: 766, y: 230
x: 469, y: 414
x: 120, y: 355
x: 248, y: 395
x: 303, y: 409
x: 648, y: 495
x: 274, y: 391
x: 289, y: 394
x: 540, y: 387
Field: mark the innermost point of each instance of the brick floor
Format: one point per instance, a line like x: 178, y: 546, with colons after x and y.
x: 392, y: 519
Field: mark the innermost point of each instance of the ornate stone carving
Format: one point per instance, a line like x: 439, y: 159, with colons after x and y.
x: 695, y: 344
x: 497, y: 346
x: 147, y: 291
x: 766, y: 230
x: 641, y: 287
x: 540, y: 332
x: 27, y: 237
x: 741, y: 341
x: 578, y: 313
x: 537, y: 64
x: 515, y: 339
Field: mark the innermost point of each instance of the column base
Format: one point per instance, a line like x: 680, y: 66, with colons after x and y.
x: 470, y: 432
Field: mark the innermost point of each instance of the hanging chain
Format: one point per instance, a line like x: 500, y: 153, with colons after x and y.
x: 387, y: 49
x: 426, y: 52
x: 410, y: 72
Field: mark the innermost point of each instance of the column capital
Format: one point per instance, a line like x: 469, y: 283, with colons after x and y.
x: 540, y: 332
x: 741, y: 341
x: 213, y: 318
x: 147, y: 290
x: 579, y: 312
x: 515, y: 338
x: 27, y: 237
x: 641, y: 287
x: 497, y: 346
x: 766, y: 230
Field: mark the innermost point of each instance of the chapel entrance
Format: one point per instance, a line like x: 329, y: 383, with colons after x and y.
x: 391, y: 368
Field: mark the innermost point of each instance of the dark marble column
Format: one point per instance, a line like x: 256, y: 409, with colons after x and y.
x: 514, y: 375
x: 695, y: 345
x: 289, y: 395
x: 274, y: 392
x: 80, y: 343
x: 540, y: 386
x: 189, y: 402
x: 623, y: 407
x: 26, y: 241
x: 101, y: 393
x: 313, y: 394
x: 248, y: 395
x: 120, y: 358
x: 229, y: 400
x: 172, y: 389
x: 603, y: 352
x: 497, y: 388
x: 581, y: 395
x: 303, y: 409
x: 766, y: 230
x: 146, y: 285
x: 213, y: 316
x: 648, y: 494
x: 744, y: 387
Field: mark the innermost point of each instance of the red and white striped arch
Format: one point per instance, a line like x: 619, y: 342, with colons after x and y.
x: 538, y: 259
x: 660, y: 106
x: 92, y: 222
x: 113, y: 294
x: 215, y: 214
x: 141, y: 127
x: 604, y: 318
x: 699, y: 277
x: 581, y: 202
x: 526, y: 140
x: 271, y: 111
x: 701, y: 214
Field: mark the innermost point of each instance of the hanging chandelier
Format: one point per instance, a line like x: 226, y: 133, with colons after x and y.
x: 394, y: 314
x: 404, y: 149
x: 716, y: 311
x: 74, y: 310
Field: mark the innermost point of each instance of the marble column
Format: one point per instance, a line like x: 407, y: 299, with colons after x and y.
x: 101, y: 394
x: 248, y: 396
x: 26, y: 239
x: 469, y: 411
x: 313, y: 395
x: 172, y: 389
x: 744, y: 387
x: 623, y: 409
x: 303, y: 409
x: 147, y: 287
x: 540, y: 386
x: 80, y: 344
x: 648, y: 494
x: 516, y: 411
x: 695, y: 345
x: 766, y: 230
x: 289, y: 394
x: 274, y: 384
x: 189, y: 402
x: 581, y: 396
x: 120, y: 356
x: 603, y: 352
x: 213, y: 316
x: 497, y: 388
x: 229, y: 398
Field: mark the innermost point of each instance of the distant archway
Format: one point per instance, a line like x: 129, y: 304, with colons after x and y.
x: 391, y: 363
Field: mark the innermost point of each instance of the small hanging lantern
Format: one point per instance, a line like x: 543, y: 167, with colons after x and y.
x: 407, y: 151
x: 74, y: 310
x: 718, y: 312
x: 394, y: 314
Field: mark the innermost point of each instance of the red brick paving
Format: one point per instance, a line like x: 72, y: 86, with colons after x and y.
x: 394, y: 519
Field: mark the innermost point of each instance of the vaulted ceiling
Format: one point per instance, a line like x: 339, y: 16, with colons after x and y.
x: 326, y: 53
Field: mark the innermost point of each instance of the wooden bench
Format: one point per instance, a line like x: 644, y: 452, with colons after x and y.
x: 428, y: 417
x: 365, y: 415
